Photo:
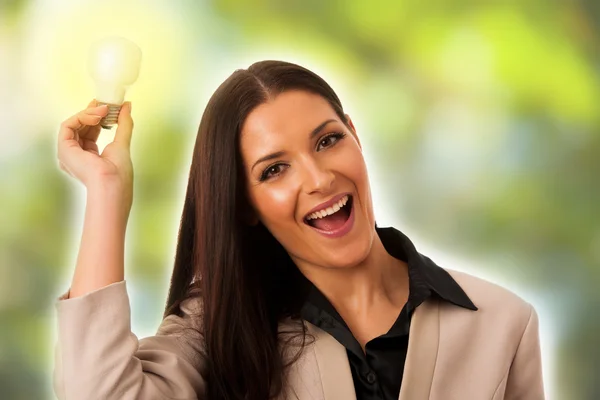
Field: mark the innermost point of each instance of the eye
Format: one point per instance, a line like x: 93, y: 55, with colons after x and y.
x: 330, y: 140
x: 327, y: 141
x: 271, y: 171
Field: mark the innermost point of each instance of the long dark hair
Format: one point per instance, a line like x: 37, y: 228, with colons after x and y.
x: 246, y: 280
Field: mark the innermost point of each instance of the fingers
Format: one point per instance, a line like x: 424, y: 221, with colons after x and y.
x: 89, y: 117
x: 71, y: 133
x: 94, y: 129
x: 124, y: 125
x: 89, y: 145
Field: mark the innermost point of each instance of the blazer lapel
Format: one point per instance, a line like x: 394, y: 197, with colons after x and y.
x: 334, y: 366
x: 423, y: 343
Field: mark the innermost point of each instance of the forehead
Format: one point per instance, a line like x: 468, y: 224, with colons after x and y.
x: 290, y: 113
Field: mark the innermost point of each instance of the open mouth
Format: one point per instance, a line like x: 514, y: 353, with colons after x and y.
x: 333, y: 218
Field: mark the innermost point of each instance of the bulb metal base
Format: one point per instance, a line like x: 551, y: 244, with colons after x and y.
x: 112, y: 117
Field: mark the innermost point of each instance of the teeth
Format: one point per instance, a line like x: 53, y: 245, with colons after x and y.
x: 329, y: 210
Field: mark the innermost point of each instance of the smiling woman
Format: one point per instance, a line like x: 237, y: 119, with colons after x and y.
x: 283, y: 285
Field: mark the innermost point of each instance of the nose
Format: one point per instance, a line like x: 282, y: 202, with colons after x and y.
x: 316, y: 177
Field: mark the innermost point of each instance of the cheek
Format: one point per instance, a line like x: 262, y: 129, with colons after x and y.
x: 356, y: 170
x: 276, y: 205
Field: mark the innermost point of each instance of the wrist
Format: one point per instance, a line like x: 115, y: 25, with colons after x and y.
x: 110, y: 196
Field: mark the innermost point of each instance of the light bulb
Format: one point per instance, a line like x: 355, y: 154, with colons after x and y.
x: 113, y: 64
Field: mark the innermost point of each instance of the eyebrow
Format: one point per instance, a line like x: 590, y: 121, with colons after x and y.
x: 278, y: 154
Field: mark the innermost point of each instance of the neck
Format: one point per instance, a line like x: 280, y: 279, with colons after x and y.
x: 378, y: 279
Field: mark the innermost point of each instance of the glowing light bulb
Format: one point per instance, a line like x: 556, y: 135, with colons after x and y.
x: 114, y: 65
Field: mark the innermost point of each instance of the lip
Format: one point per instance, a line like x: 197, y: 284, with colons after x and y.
x: 328, y: 203
x: 344, y: 229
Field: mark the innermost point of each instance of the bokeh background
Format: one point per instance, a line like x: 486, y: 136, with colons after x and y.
x: 479, y: 122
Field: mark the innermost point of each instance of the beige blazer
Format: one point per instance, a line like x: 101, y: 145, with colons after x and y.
x: 453, y: 353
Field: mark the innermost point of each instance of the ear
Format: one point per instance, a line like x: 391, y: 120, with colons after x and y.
x: 353, y: 129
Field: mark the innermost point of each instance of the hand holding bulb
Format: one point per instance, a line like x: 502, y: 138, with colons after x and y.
x: 114, y: 64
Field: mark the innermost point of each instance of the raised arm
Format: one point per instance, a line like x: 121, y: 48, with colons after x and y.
x: 97, y: 356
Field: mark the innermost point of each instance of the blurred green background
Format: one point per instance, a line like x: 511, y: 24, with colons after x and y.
x: 479, y: 122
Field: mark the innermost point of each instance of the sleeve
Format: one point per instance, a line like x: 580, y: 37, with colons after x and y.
x: 525, y: 381
x: 98, y: 357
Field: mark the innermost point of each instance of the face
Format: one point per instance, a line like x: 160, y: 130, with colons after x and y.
x: 298, y: 156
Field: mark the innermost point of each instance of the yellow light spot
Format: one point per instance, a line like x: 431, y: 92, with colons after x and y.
x: 59, y: 39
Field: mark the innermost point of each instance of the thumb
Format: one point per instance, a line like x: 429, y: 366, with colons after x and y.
x: 124, y: 125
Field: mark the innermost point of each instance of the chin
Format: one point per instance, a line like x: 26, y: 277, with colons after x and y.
x: 350, y: 258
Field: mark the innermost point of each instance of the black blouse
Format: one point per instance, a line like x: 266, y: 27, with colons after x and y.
x: 378, y: 373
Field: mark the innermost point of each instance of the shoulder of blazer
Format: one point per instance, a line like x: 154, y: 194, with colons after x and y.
x: 187, y: 325
x: 492, y: 300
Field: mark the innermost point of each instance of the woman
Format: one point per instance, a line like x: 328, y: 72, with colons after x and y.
x: 283, y: 285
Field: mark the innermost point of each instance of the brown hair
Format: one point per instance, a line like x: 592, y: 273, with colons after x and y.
x: 246, y: 280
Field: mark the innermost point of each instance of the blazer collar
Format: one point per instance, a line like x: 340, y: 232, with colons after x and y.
x: 334, y: 367
x: 422, y: 352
